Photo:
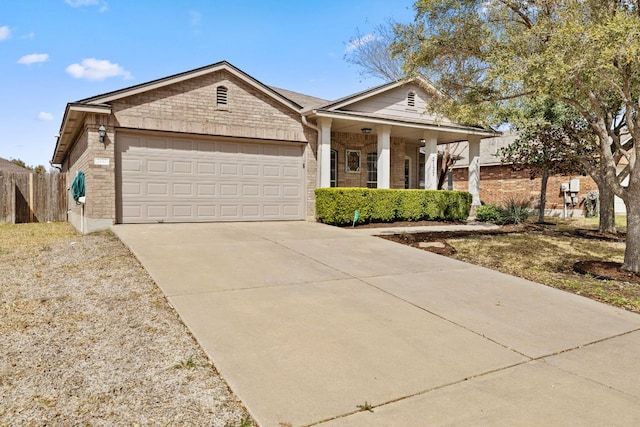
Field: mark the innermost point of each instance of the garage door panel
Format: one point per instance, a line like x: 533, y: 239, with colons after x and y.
x: 157, y: 211
x: 229, y: 190
x: 229, y: 169
x: 156, y: 189
x: 182, y: 211
x: 251, y: 190
x: 182, y: 190
x: 183, y: 180
x: 182, y: 167
x: 208, y: 168
x: 131, y: 165
x: 205, y: 189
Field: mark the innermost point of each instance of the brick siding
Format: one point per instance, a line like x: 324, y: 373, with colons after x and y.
x: 499, y: 184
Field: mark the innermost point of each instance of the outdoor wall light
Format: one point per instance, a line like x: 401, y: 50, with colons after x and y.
x: 102, y: 132
x: 366, y: 130
x: 423, y: 141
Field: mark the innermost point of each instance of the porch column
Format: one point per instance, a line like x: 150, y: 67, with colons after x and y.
x: 430, y: 161
x: 384, y: 156
x: 324, y: 153
x: 474, y: 169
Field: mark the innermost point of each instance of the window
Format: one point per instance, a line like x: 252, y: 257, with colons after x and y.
x: 221, y: 96
x: 411, y: 99
x: 334, y: 168
x: 372, y: 169
x: 407, y: 172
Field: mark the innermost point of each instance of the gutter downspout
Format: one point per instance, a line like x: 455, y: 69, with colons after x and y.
x: 306, y: 123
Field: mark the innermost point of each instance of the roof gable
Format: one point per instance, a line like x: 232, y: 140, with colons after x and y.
x: 109, y: 97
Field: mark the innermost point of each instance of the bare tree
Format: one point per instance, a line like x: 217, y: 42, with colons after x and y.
x: 370, y: 52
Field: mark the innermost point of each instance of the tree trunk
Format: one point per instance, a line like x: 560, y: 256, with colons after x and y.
x: 632, y: 250
x: 632, y: 203
x: 543, y: 194
x: 607, y: 210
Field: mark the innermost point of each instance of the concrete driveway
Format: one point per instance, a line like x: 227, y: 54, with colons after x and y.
x: 307, y: 322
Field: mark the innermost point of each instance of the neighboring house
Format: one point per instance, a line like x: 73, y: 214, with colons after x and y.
x: 8, y: 166
x: 499, y: 183
x: 215, y: 144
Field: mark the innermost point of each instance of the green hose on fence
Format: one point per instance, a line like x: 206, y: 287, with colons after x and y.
x: 77, y: 187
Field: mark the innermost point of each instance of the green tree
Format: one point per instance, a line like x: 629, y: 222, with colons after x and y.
x: 551, y: 140
x: 487, y: 57
x: 20, y: 163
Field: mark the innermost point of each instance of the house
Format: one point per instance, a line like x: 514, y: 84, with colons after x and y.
x: 215, y: 144
x: 500, y: 183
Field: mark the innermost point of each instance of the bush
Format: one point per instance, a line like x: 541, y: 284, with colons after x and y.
x: 337, y: 205
x: 488, y: 213
x: 514, y: 212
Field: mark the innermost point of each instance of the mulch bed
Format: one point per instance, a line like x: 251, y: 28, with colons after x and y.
x: 605, y: 270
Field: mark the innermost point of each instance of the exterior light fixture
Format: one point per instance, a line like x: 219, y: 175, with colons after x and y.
x: 423, y: 141
x: 366, y: 131
x: 102, y: 132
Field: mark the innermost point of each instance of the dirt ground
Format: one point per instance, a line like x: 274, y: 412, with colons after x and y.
x: 88, y: 339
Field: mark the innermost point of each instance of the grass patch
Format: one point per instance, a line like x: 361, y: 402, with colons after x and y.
x: 35, y: 236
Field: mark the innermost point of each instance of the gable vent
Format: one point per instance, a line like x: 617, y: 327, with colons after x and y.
x: 411, y: 99
x: 221, y: 95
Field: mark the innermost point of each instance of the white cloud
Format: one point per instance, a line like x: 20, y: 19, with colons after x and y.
x: 97, y: 70
x: 33, y: 58
x: 45, y: 117
x: 29, y: 36
x: 354, y: 44
x: 5, y: 32
x: 80, y: 3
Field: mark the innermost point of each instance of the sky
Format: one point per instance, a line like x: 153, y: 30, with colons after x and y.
x: 53, y: 52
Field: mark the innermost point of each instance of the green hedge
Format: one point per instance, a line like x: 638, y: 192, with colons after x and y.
x: 337, y: 206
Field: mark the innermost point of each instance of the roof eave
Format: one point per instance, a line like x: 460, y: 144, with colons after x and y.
x: 71, y: 123
x: 470, y: 130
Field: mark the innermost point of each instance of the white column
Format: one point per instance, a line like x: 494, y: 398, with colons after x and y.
x: 430, y: 161
x: 324, y: 153
x: 384, y: 156
x: 474, y: 169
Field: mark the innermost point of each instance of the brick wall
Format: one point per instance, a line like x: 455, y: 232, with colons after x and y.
x: 99, y: 210
x: 190, y: 107
x: 500, y: 183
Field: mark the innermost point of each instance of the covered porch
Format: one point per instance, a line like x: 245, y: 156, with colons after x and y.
x: 359, y: 150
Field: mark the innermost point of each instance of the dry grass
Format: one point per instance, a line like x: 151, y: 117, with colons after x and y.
x: 547, y: 257
x: 88, y: 339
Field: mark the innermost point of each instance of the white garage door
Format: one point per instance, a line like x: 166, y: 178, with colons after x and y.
x: 168, y: 179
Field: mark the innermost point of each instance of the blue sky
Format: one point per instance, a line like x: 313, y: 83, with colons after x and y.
x: 57, y: 51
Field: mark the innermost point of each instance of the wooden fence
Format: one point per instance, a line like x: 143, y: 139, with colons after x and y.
x: 32, y: 197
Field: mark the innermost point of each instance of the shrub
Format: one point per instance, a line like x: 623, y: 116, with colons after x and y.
x: 488, y: 213
x: 515, y: 212
x: 338, y: 205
